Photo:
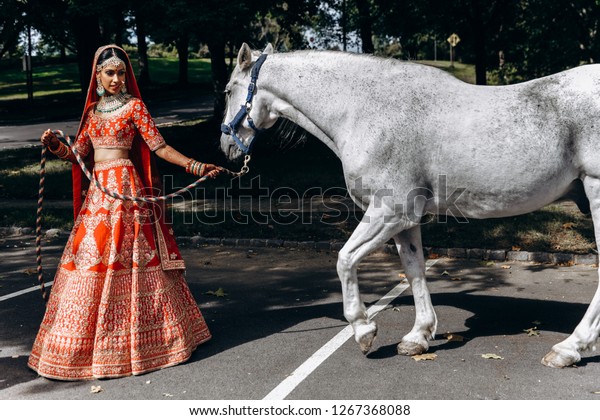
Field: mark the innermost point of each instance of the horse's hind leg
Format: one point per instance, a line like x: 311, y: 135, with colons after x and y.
x: 585, y: 335
x: 373, y: 232
x: 410, y: 249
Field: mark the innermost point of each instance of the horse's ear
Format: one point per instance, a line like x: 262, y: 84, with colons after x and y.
x: 268, y: 49
x: 245, y: 57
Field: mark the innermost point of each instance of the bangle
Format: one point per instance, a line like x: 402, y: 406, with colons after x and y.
x: 194, y: 167
x: 62, y: 151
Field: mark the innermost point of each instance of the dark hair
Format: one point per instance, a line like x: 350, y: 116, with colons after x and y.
x: 110, y: 52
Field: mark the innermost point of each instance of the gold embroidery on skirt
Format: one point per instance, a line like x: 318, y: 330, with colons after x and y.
x: 113, y: 309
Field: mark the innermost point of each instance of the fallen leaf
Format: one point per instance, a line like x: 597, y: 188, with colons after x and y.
x: 219, y: 293
x: 569, y: 225
x: 516, y: 248
x: 506, y: 267
x: 532, y: 332
x: 455, y: 279
x: 454, y: 337
x: 433, y: 256
x: 30, y: 271
x: 487, y: 263
x: 95, y: 389
x: 492, y: 356
x: 426, y: 356
x: 567, y: 264
x: 445, y: 273
x: 402, y: 275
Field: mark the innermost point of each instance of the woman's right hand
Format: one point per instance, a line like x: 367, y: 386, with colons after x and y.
x: 49, y: 139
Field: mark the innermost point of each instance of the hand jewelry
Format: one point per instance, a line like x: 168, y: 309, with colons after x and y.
x: 62, y: 151
x: 194, y: 167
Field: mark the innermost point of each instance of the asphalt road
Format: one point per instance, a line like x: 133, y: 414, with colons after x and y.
x: 283, y: 305
x: 16, y: 136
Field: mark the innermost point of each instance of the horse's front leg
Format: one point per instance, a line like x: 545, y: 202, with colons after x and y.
x: 410, y: 249
x: 374, y: 230
x: 586, y: 333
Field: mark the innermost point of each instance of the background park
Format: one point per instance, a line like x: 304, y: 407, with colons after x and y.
x: 182, y: 49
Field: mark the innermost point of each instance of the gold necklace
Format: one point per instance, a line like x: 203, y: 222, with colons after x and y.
x: 112, y: 103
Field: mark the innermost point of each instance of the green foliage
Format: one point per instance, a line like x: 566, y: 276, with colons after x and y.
x: 505, y: 75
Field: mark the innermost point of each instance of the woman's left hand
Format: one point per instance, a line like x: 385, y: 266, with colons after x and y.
x: 211, y: 171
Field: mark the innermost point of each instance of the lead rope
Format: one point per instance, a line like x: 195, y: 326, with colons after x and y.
x: 38, y: 222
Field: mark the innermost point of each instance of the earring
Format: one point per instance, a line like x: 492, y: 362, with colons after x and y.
x: 123, y: 88
x: 99, y: 89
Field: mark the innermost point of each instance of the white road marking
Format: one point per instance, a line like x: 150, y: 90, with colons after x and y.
x: 290, y: 383
x: 24, y: 291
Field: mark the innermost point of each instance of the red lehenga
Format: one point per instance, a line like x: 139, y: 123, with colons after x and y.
x: 119, y: 304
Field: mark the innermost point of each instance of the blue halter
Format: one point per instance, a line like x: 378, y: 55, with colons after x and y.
x: 244, y: 112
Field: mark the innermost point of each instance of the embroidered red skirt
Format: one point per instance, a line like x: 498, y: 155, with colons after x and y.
x: 119, y: 306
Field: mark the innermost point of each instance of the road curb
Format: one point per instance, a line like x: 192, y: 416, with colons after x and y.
x: 497, y: 255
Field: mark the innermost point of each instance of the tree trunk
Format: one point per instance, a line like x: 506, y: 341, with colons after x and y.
x: 365, y: 26
x: 182, y: 44
x: 480, y: 62
x: 140, y: 32
x: 479, y: 34
x: 219, y: 76
x: 120, y: 28
x: 88, y: 39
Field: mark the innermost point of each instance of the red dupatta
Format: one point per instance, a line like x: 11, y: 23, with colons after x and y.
x: 140, y: 154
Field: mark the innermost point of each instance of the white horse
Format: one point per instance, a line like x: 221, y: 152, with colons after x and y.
x: 409, y: 135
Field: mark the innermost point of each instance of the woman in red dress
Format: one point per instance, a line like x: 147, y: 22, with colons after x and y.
x: 119, y: 305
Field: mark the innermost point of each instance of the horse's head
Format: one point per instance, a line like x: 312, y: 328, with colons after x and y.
x: 247, y: 109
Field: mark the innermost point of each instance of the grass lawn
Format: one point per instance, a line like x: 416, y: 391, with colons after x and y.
x: 464, y: 72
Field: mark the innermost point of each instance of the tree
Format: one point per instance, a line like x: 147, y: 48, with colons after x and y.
x: 365, y: 25
x: 142, y: 15
x: 11, y: 23
x: 90, y: 25
x: 548, y: 37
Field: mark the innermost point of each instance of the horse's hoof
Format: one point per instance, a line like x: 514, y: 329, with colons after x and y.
x: 560, y: 360
x: 408, y: 348
x: 365, y: 335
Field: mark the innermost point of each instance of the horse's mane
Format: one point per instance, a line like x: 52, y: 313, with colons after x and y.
x: 289, y: 133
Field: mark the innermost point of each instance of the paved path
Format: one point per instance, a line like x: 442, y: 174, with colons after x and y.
x: 16, y: 136
x: 284, y: 305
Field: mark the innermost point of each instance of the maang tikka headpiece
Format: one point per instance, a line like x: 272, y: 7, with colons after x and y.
x: 112, y: 61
